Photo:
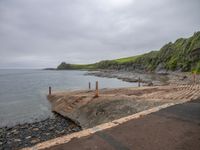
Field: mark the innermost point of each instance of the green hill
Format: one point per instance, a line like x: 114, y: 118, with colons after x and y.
x: 182, y: 55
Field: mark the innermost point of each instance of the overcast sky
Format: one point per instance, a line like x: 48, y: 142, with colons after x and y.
x: 43, y: 33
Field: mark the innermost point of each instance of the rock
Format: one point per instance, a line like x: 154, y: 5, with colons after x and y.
x: 76, y: 129
x: 17, y: 140
x: 24, y: 126
x: 35, y: 129
x: 51, y: 128
x: 1, y: 130
x: 150, y: 84
x: 184, y: 77
x: 28, y: 137
x: 15, y: 132
x: 160, y: 69
x: 47, y: 134
x: 35, y: 140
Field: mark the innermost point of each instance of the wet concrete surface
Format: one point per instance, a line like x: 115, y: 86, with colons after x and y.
x: 173, y: 128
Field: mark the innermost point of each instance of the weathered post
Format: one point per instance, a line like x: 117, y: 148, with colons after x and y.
x: 49, y: 90
x: 89, y: 86
x: 139, y: 82
x: 97, y: 89
x: 195, y: 75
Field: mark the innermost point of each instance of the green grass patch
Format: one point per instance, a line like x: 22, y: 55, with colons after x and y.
x: 127, y: 59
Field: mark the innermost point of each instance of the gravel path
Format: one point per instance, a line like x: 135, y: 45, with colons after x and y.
x: 32, y: 133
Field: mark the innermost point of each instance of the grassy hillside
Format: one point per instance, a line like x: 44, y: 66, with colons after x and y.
x: 182, y: 55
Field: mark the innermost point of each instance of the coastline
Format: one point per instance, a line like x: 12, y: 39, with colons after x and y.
x: 148, y: 79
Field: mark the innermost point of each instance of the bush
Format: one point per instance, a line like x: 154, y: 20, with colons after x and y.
x: 198, y: 68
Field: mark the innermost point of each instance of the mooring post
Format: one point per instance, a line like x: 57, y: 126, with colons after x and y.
x: 49, y: 90
x: 139, y: 82
x: 97, y: 89
x: 89, y: 86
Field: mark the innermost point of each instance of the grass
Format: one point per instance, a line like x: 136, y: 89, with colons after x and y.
x: 127, y: 59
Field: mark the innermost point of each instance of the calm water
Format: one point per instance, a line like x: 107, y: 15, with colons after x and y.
x: 23, y: 92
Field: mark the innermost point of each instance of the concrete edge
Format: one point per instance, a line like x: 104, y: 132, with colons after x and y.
x: 86, y: 132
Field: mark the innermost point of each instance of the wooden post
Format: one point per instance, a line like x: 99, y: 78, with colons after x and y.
x: 97, y: 89
x: 89, y: 86
x: 139, y: 82
x: 194, y: 78
x: 49, y: 90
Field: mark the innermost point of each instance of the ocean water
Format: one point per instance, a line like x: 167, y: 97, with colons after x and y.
x: 23, y: 92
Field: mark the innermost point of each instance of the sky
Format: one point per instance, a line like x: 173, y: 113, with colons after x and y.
x: 43, y: 33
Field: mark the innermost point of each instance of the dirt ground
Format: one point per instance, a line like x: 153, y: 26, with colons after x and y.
x: 88, y: 111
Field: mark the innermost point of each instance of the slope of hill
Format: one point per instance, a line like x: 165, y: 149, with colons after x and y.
x: 182, y: 55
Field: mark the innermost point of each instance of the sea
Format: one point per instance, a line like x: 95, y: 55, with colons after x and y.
x: 23, y: 92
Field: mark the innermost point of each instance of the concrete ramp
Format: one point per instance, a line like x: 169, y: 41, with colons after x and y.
x: 87, y: 111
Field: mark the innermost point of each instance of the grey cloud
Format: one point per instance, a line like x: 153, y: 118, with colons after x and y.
x: 35, y: 33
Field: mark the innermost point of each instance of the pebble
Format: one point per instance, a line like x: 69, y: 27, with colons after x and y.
x: 35, y: 140
x: 17, y: 140
x: 35, y: 129
x: 28, y: 137
x: 47, y: 134
x: 14, y: 131
x: 51, y: 128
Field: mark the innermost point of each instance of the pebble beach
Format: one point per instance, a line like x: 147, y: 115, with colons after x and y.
x: 28, y: 134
